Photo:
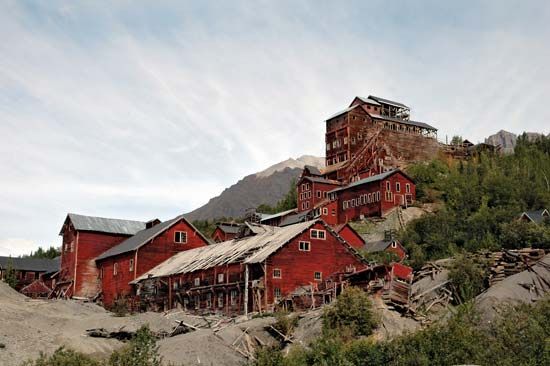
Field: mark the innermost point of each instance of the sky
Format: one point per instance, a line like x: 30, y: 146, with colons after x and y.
x: 144, y: 109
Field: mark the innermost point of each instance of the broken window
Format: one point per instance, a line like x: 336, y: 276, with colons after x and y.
x: 277, y: 293
x: 220, y: 299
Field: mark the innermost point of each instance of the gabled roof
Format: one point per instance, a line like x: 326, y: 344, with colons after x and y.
x: 343, y: 111
x: 536, y: 216
x: 228, y: 227
x: 279, y: 214
x: 378, y: 246
x: 312, y: 170
x: 252, y: 249
x: 338, y: 228
x: 387, y: 101
x: 405, y: 122
x: 31, y: 264
x: 371, y: 179
x: 102, y: 224
x: 366, y: 100
x: 145, y: 236
x: 294, y: 219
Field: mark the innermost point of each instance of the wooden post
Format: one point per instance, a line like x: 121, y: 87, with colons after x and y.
x: 246, y: 289
x: 169, y: 292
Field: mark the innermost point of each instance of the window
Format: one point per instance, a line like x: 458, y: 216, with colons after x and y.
x: 328, y: 146
x: 325, y: 211
x: 115, y: 269
x: 175, y: 285
x: 277, y: 293
x: 359, y: 136
x: 307, y: 186
x: 378, y: 196
x: 388, y: 196
x: 72, y: 246
x: 220, y: 277
x: 180, y: 237
x: 131, y: 265
x: 318, y: 276
x: 394, y: 245
x: 276, y: 273
x: 303, y: 205
x: 408, y: 188
x: 317, y: 234
x: 209, y: 300
x: 397, y: 187
x: 353, y: 140
x: 325, y: 194
x: 333, y: 212
x: 319, y: 194
x: 304, y: 246
x: 307, y: 205
x: 101, y: 272
x: 388, y: 185
x: 369, y: 198
x: 345, y: 140
x: 220, y: 299
x: 197, y: 281
x: 197, y: 302
x: 233, y: 297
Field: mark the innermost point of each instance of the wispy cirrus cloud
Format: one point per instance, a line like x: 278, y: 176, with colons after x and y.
x: 146, y: 109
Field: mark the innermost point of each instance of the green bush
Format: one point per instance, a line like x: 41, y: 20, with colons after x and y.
x: 468, y: 277
x: 142, y: 350
x: 352, y: 312
x: 285, y: 322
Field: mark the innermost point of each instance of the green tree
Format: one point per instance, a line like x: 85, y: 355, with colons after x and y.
x: 352, y: 312
x: 141, y: 351
x: 468, y: 277
x: 10, y: 277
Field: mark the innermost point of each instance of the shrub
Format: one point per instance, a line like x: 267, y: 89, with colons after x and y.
x: 351, y: 312
x: 120, y: 307
x: 285, y: 322
x: 141, y: 351
x: 468, y: 277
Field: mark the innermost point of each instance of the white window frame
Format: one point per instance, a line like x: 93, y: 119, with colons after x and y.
x: 319, y: 194
x: 277, y: 293
x: 277, y: 273
x: 408, y: 188
x: 197, y: 281
x: 115, y: 269
x: 304, y: 246
x: 182, y: 235
x: 132, y: 265
x: 319, y: 234
x: 208, y: 299
x: 388, y: 185
x: 397, y: 187
x: 320, y: 276
x: 325, y: 211
x: 221, y: 278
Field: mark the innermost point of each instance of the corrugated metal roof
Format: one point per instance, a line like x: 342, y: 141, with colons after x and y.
x: 279, y: 214
x: 368, y: 100
x: 32, y: 264
x: 370, y: 179
x: 313, y: 170
x: 144, y: 236
x: 252, y: 249
x: 387, y: 101
x: 398, y: 120
x: 342, y: 112
x: 377, y: 246
x: 293, y: 219
x: 103, y: 224
x: 228, y: 228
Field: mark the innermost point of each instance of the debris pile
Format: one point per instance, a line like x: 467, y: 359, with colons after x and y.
x: 509, y: 262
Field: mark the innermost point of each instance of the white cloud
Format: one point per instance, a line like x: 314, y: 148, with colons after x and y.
x: 16, y: 247
x: 130, y: 111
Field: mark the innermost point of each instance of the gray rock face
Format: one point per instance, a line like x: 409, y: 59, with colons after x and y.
x: 508, y: 139
x: 268, y: 187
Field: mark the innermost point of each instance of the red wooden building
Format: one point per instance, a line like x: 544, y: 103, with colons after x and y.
x: 84, y: 239
x: 225, y: 231
x: 30, y: 270
x: 391, y: 246
x: 350, y: 235
x: 126, y: 261
x: 251, y: 273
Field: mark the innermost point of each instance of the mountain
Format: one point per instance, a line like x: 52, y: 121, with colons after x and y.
x: 268, y: 186
x: 508, y: 140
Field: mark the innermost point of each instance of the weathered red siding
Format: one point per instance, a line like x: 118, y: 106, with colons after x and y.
x: 148, y: 256
x: 352, y: 237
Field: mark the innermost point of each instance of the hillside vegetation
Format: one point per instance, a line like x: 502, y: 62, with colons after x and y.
x: 481, y: 198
